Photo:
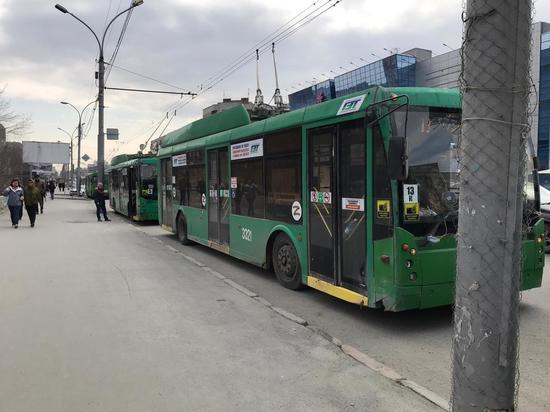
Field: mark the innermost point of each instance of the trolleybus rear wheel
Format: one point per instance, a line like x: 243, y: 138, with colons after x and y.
x: 181, y: 230
x: 286, y: 263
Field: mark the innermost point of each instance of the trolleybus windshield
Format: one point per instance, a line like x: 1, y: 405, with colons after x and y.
x: 148, y: 182
x: 432, y: 141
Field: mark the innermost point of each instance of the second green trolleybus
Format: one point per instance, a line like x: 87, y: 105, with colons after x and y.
x: 332, y: 196
x: 133, y: 183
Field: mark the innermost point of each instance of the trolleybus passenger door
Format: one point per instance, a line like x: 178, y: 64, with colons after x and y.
x: 132, y: 179
x: 167, y: 192
x: 124, y: 191
x: 337, y: 235
x: 321, y: 217
x: 351, y: 204
x: 218, y: 196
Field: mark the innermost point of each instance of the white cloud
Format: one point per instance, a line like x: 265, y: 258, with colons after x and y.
x: 47, y: 56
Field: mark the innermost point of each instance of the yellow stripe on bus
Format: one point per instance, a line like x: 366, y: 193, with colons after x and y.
x: 337, y: 291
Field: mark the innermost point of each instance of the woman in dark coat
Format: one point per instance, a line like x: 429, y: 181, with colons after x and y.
x: 32, y: 200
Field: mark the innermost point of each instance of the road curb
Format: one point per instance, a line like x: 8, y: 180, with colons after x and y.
x: 240, y: 288
x: 357, y: 355
x: 214, y: 272
x: 289, y: 316
x: 426, y: 393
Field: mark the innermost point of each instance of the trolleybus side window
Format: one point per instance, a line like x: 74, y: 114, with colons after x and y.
x: 283, y: 175
x: 190, y: 180
x: 248, y: 192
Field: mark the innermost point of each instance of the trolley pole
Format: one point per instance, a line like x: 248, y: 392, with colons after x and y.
x: 495, y: 92
x: 100, y: 121
x: 78, y: 154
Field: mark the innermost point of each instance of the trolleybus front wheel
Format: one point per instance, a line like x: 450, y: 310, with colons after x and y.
x: 286, y: 263
x: 182, y: 231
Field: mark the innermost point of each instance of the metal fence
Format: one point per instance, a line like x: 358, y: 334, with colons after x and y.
x: 495, y: 88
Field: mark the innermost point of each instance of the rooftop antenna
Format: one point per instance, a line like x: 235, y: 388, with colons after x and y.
x: 277, y: 98
x: 259, y: 100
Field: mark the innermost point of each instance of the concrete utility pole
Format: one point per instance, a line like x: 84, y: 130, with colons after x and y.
x: 495, y: 87
x: 101, y: 86
x: 78, y: 175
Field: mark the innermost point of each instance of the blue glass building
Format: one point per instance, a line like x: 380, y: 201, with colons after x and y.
x: 543, y: 143
x: 418, y: 67
x: 392, y: 71
x: 317, y: 93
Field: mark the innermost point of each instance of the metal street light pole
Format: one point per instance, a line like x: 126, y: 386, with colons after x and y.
x: 101, y: 86
x: 71, y: 137
x: 79, y: 139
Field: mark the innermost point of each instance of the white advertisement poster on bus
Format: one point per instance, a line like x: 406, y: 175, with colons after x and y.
x: 246, y: 150
x: 179, y: 160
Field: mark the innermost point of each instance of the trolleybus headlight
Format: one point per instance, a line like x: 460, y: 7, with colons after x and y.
x: 413, y: 252
x: 413, y: 276
x: 409, y: 264
x: 540, y: 239
x: 405, y: 247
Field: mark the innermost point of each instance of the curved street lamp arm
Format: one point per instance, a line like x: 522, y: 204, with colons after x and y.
x: 111, y: 22
x: 77, y: 112
x: 89, y: 28
x: 66, y: 132
x: 88, y: 105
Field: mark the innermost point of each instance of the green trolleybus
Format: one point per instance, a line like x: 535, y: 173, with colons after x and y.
x: 90, y: 184
x: 134, y: 190
x: 356, y: 197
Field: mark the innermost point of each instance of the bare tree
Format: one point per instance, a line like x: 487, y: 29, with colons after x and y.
x: 16, y: 124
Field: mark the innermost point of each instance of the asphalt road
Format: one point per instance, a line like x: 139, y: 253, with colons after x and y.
x: 100, y: 317
x: 415, y: 343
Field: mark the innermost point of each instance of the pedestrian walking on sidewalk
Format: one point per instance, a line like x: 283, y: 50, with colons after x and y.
x: 61, y: 186
x: 51, y: 188
x: 41, y: 186
x: 99, y: 199
x: 32, y: 200
x: 15, y: 197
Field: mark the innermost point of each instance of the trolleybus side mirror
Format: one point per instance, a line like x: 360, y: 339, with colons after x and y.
x: 397, y: 158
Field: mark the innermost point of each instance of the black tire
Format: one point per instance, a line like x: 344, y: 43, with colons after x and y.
x: 286, y: 263
x: 181, y: 231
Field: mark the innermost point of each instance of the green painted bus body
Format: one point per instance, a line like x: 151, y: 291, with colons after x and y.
x: 90, y: 184
x: 131, y: 167
x: 390, y: 284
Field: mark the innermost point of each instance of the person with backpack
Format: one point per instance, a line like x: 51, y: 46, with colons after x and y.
x: 15, y: 196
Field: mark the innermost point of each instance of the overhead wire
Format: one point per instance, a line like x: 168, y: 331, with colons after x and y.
x: 264, y: 47
x: 259, y: 43
x: 119, y: 43
x: 146, y: 77
x: 282, y: 33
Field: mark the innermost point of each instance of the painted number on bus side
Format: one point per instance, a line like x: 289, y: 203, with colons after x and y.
x: 246, y: 234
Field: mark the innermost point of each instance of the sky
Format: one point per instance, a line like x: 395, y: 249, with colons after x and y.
x: 47, y: 57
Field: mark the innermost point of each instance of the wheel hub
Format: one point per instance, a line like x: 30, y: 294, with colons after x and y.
x: 285, y: 260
